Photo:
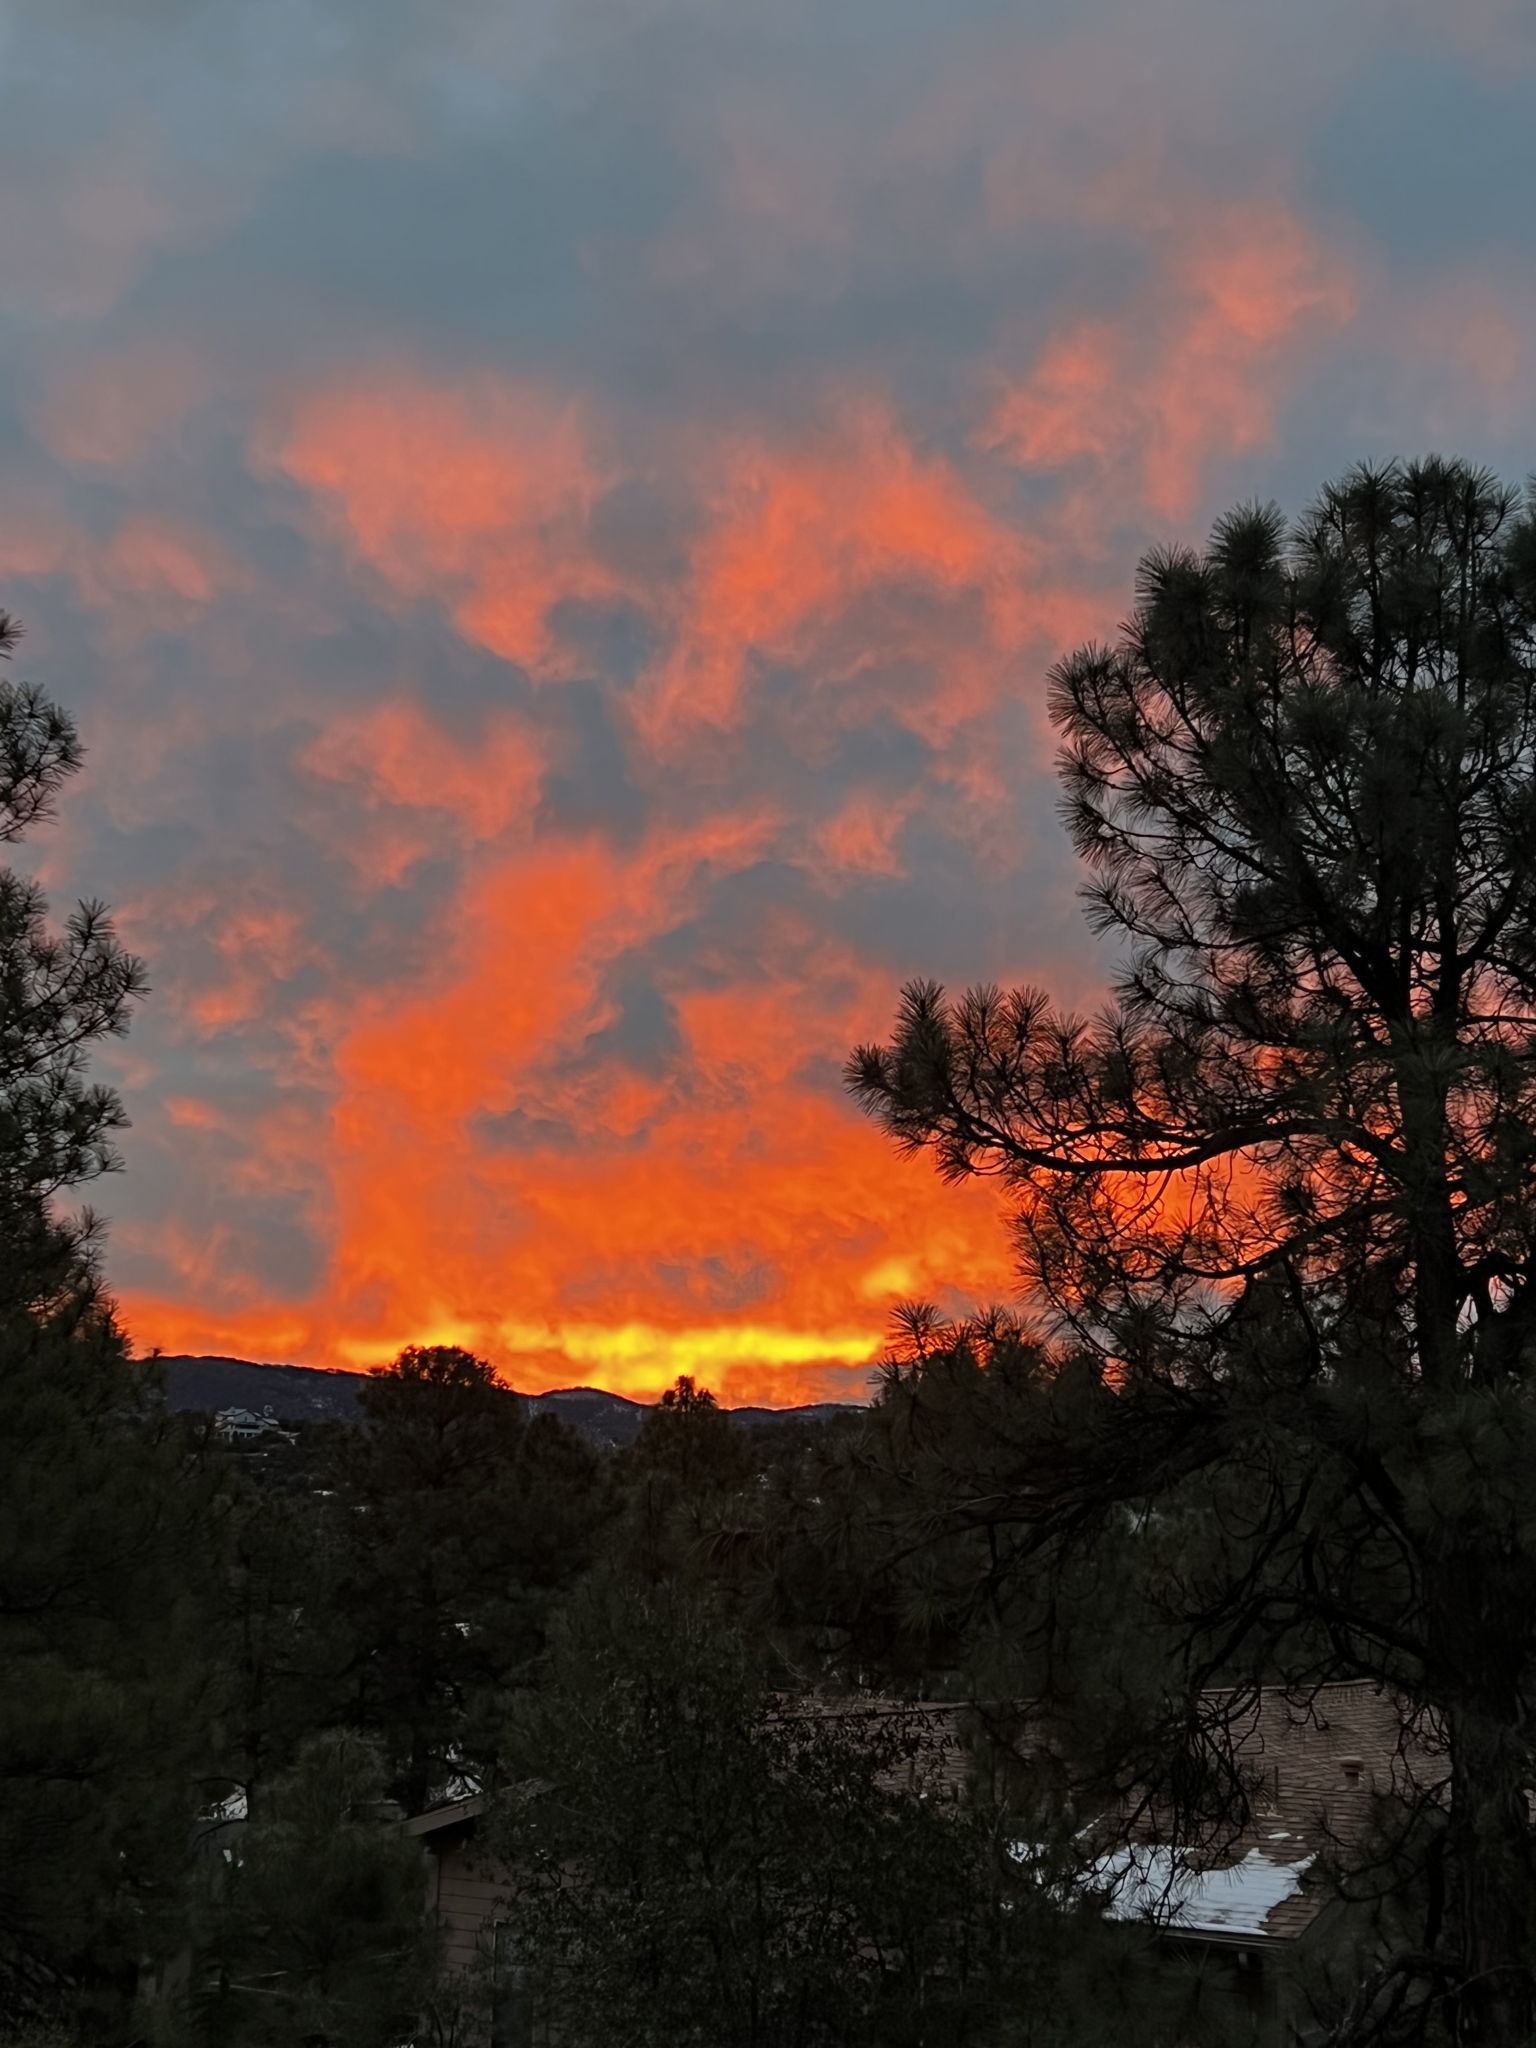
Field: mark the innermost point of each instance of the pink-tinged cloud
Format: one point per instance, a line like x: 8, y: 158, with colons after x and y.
x: 1197, y: 373
x: 115, y: 414
x: 480, y: 498
x: 849, y: 550
x: 421, y: 788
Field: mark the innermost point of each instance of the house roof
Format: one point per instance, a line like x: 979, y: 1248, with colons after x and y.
x: 932, y: 1754
x: 1147, y: 1882
x: 1319, y: 1762
x: 449, y: 1814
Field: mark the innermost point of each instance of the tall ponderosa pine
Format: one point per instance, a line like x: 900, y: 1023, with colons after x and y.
x: 58, y: 994
x: 103, y: 1688
x: 687, y: 1459
x: 472, y: 1518
x: 1284, y: 1187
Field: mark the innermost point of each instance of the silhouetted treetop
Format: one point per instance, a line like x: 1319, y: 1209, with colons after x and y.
x: 1284, y: 1184
x: 437, y: 1365
x: 1304, y: 784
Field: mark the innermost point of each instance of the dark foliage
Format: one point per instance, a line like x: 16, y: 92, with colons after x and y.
x: 458, y: 1523
x: 106, y: 1698
x: 314, y: 1930
x: 1279, y: 1194
x: 751, y: 1869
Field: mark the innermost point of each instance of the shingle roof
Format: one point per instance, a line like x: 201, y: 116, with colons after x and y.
x: 1146, y: 1882
x: 447, y: 1814
x: 925, y: 1736
x: 1319, y: 1762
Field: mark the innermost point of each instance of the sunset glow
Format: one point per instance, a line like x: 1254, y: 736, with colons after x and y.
x: 554, y: 542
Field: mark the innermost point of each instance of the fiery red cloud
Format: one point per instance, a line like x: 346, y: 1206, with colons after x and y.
x: 607, y: 1249
x: 554, y: 544
x: 725, y: 1214
x: 489, y: 1178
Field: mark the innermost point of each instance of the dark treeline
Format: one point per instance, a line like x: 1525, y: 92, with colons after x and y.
x: 1269, y: 1423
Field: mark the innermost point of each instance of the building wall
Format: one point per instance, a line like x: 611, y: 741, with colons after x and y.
x: 465, y: 1905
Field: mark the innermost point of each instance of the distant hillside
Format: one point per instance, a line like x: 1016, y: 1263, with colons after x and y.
x: 304, y: 1393
x: 295, y: 1392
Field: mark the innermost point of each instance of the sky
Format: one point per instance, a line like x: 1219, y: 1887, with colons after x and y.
x: 553, y: 517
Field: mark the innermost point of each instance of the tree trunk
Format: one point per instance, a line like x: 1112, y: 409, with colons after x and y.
x: 1493, y: 1896
x: 1491, y: 1851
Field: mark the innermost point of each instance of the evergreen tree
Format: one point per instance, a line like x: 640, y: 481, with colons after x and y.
x: 107, y: 1699
x: 461, y: 1522
x: 59, y: 993
x: 105, y: 1704
x: 316, y: 1931
x: 678, y: 1477
x: 1279, y: 1195
x: 284, y: 1652
x: 694, y: 1857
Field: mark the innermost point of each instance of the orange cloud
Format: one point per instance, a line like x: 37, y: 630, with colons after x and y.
x: 860, y: 838
x: 496, y: 1158
x: 147, y: 558
x: 499, y: 833
x: 1194, y: 373
x: 726, y: 1216
x: 258, y: 946
x: 420, y: 787
x: 480, y: 497
x: 850, y: 551
x: 847, y: 553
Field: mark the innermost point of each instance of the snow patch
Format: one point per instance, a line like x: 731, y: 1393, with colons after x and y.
x: 1157, y: 1884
